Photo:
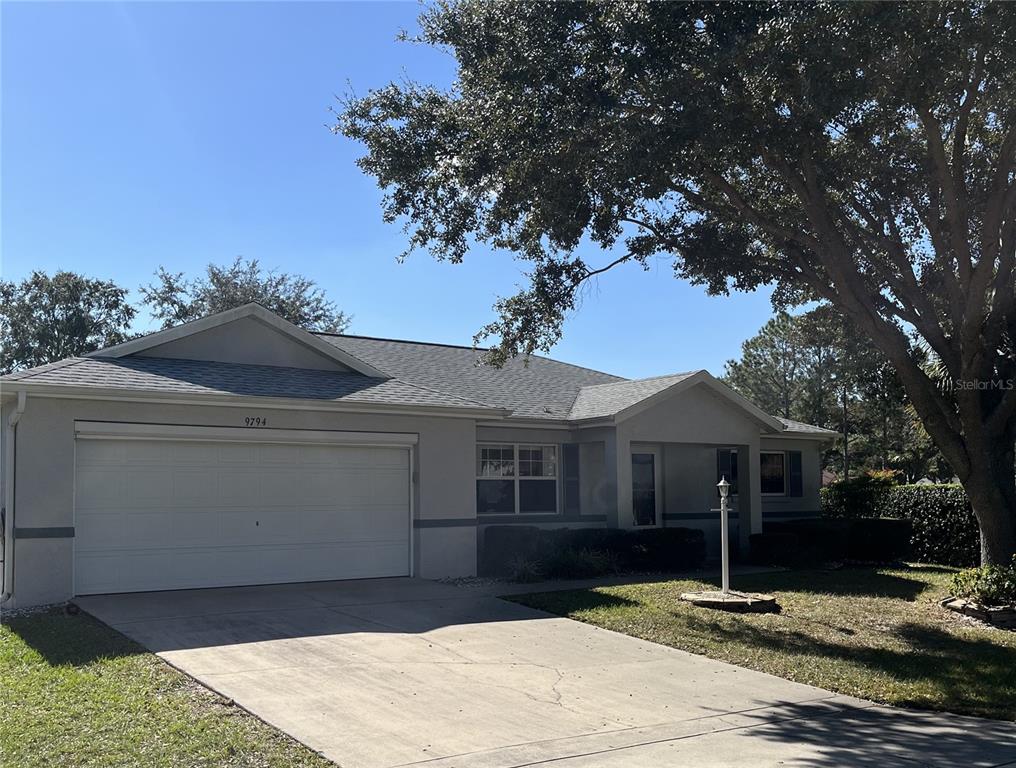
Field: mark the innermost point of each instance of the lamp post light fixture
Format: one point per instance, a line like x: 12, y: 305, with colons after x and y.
x: 726, y: 599
x: 724, y: 488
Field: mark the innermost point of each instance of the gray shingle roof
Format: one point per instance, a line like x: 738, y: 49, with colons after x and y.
x: 155, y: 374
x: 541, y: 389
x: 602, y: 400
x: 790, y: 425
x: 422, y: 374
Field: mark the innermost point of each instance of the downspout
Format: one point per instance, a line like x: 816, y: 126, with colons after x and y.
x: 8, y: 508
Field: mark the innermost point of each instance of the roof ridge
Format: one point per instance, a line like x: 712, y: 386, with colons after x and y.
x: 647, y: 378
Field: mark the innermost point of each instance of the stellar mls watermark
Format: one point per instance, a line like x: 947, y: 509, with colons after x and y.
x: 981, y: 385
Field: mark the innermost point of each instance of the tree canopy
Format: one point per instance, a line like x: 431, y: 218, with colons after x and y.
x: 863, y: 154
x: 175, y: 299
x: 45, y: 318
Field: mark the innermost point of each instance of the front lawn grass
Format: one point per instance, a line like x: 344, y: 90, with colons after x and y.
x: 875, y: 633
x: 73, y: 692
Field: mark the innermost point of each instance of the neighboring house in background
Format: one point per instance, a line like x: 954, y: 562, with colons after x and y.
x: 240, y: 449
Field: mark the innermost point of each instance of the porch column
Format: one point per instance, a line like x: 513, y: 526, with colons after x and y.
x: 611, y: 478
x: 750, y: 503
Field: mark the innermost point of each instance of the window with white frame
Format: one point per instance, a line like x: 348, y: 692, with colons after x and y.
x: 514, y: 478
x: 773, y: 473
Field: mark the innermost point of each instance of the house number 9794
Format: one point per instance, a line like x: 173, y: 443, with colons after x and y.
x: 256, y: 421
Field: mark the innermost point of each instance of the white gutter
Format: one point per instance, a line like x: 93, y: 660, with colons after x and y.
x: 8, y: 508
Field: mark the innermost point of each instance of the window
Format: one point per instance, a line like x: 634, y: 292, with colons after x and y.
x: 516, y: 479
x: 773, y: 473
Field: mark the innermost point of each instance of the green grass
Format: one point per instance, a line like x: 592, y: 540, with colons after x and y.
x: 73, y: 692
x: 878, y: 634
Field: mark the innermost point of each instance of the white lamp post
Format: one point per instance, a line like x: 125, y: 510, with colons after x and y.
x: 725, y: 599
x: 724, y: 487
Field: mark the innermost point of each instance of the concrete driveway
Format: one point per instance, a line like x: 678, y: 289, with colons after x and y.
x: 395, y: 672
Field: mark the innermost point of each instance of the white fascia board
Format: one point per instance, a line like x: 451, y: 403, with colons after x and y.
x: 107, y: 430
x: 61, y: 392
x: 255, y: 311
x: 827, y: 436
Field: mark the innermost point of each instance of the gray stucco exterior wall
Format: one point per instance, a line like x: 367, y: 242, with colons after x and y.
x: 443, y: 489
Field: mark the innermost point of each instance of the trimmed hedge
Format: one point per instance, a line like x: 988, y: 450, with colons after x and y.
x: 944, y: 527
x: 575, y: 552
x: 812, y: 542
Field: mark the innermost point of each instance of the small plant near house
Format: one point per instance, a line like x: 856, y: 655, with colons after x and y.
x: 988, y: 585
x: 525, y: 570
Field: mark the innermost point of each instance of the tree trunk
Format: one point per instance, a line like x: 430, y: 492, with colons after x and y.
x: 846, y: 439
x: 992, y: 494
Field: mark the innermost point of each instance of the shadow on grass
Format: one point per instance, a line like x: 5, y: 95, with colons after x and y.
x: 573, y: 601
x: 856, y: 582
x: 969, y: 675
x: 64, y: 640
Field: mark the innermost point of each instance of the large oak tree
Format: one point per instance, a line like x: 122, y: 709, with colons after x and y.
x: 45, y: 318
x: 858, y: 153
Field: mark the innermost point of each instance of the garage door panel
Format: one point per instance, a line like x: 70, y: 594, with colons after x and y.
x: 98, y: 489
x: 182, y: 514
x: 197, y: 567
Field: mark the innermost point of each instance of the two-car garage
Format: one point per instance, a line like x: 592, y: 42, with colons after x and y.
x: 169, y: 507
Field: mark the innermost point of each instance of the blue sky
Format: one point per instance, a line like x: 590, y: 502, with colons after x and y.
x: 143, y: 134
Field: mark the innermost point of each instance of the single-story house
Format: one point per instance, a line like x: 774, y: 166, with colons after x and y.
x: 240, y: 449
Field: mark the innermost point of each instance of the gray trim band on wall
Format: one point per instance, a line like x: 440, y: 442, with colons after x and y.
x: 532, y: 519
x: 447, y: 522
x: 44, y: 533
x: 696, y: 516
x: 780, y: 513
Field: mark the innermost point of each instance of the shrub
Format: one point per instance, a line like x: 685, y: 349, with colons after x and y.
x: 863, y: 496
x: 585, y: 552
x: 502, y: 544
x: 812, y: 542
x: 524, y: 570
x: 774, y: 548
x: 568, y: 563
x: 879, y: 540
x: 943, y: 527
x: 667, y: 549
x: 993, y: 585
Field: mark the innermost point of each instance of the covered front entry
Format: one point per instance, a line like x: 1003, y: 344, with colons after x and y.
x: 161, y: 508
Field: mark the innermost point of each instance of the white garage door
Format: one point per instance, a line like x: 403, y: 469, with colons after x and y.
x: 155, y: 514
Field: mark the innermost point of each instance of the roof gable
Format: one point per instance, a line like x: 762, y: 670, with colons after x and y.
x: 618, y: 401
x: 247, y: 335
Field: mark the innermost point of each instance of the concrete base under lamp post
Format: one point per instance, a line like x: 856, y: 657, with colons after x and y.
x: 727, y: 599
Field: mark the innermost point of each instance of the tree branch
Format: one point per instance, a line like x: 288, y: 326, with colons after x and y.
x: 954, y: 207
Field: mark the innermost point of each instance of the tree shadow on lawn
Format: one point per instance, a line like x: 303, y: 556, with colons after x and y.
x: 974, y: 676
x: 856, y: 582
x: 568, y: 602
x: 66, y: 640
